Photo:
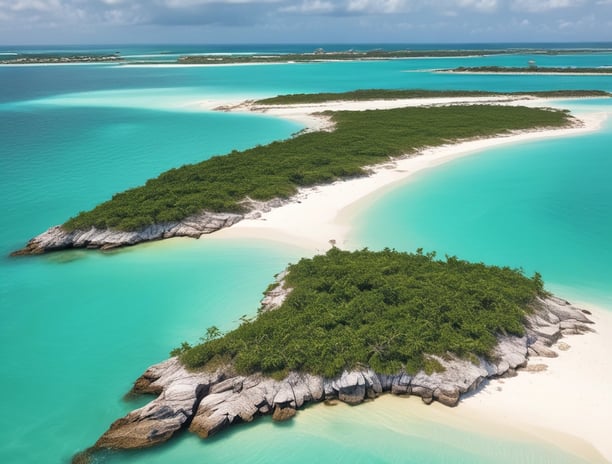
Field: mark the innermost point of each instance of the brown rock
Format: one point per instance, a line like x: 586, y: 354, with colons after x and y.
x: 283, y: 414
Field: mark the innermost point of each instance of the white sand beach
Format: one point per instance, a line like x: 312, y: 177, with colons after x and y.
x: 572, y: 396
x: 320, y: 214
x: 568, y: 404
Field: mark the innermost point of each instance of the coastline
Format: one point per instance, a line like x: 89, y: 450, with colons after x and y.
x: 519, y: 73
x: 206, y: 401
x: 566, y: 405
x: 402, y: 416
x: 323, y: 213
x: 570, y: 397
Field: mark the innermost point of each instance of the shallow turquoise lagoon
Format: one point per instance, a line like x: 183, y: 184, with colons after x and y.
x: 543, y: 206
x: 78, y: 327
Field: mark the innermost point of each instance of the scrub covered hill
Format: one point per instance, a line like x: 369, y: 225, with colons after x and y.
x: 278, y: 170
x: 386, y: 310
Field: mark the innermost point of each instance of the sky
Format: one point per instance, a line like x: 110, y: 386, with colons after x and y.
x: 25, y: 22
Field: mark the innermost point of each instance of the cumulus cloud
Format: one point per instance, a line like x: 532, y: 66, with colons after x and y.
x: 378, y: 6
x: 539, y: 6
x: 479, y: 5
x: 466, y: 15
x: 310, y: 7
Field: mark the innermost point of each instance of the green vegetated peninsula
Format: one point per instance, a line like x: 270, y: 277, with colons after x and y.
x: 203, y: 197
x: 277, y: 170
x: 398, y: 94
x: 350, y: 326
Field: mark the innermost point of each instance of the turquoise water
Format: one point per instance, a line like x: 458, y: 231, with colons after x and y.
x: 78, y: 327
x: 543, y: 206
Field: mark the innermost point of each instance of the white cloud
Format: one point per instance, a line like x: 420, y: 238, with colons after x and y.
x: 539, y: 6
x: 195, y: 3
x: 380, y: 6
x: 34, y: 5
x: 310, y: 7
x: 486, y: 6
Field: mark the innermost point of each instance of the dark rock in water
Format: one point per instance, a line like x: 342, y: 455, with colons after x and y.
x: 207, y: 402
x: 283, y: 414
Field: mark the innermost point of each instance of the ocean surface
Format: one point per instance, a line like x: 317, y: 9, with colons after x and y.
x: 79, y: 327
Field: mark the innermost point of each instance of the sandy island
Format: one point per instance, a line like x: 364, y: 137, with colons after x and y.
x: 323, y: 213
x: 567, y: 403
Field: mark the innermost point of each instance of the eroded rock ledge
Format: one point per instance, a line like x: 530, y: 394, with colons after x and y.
x: 57, y: 238
x: 207, y: 402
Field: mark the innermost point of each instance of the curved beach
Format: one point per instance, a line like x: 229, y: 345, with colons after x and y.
x: 564, y: 400
x: 323, y: 213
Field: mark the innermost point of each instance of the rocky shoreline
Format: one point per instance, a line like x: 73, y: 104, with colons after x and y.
x: 207, y: 402
x: 57, y: 238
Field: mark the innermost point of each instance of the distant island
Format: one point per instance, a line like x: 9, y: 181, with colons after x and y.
x: 61, y: 59
x: 399, y: 94
x: 316, y: 55
x: 322, y: 55
x: 201, y: 198
x: 357, y: 55
x: 350, y: 326
x: 528, y: 70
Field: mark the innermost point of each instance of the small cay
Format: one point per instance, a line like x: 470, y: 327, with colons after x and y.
x: 207, y: 196
x: 211, y: 386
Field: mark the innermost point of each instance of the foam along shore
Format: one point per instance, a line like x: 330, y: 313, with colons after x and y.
x: 322, y: 214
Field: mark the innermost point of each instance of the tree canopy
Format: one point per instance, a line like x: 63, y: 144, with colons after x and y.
x: 387, y: 310
x: 279, y: 169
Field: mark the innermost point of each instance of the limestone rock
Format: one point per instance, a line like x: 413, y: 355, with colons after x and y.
x: 161, y: 418
x: 275, y: 297
x: 564, y: 310
x: 400, y: 384
x: 539, y: 349
x: 351, y: 387
x: 208, y: 402
x: 57, y: 238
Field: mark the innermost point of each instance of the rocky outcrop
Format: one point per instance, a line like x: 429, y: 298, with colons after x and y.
x: 276, y: 294
x: 207, y: 402
x: 57, y: 238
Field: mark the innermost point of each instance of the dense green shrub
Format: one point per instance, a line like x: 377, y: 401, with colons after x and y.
x: 391, y: 94
x: 386, y: 310
x: 277, y: 170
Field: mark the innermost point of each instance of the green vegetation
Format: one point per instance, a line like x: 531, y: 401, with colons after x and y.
x: 355, y: 55
x: 277, y: 170
x: 43, y: 58
x: 387, y: 310
x: 321, y: 55
x: 534, y: 69
x: 386, y: 94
